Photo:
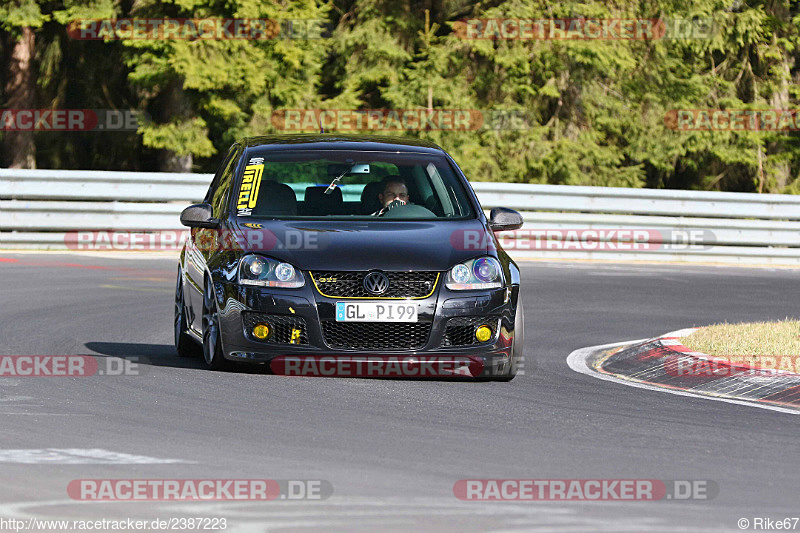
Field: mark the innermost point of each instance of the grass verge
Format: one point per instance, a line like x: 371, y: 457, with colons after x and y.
x: 762, y: 344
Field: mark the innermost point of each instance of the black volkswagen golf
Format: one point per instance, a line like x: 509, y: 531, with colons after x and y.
x: 348, y: 251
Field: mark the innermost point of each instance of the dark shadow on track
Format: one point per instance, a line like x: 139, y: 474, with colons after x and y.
x: 145, y: 354
x: 124, y: 349
x: 164, y: 355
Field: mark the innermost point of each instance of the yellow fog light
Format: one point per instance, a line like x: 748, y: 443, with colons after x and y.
x: 483, y: 333
x: 261, y: 331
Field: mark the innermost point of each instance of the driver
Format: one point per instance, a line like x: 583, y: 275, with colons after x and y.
x: 394, y: 192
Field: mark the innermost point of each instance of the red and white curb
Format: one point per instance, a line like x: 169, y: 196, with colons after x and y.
x: 664, y: 364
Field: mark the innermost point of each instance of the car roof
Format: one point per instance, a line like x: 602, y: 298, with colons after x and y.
x: 335, y: 141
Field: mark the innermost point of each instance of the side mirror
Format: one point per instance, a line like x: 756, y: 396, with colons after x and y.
x: 504, y: 219
x: 199, y: 216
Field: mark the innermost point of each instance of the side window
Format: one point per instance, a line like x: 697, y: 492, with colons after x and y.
x: 220, y: 169
x: 215, y: 180
x: 220, y: 188
x: 422, y: 183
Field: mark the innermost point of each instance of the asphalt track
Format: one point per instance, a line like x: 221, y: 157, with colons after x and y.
x: 392, y: 449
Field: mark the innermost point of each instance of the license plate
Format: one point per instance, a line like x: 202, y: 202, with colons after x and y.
x: 375, y: 312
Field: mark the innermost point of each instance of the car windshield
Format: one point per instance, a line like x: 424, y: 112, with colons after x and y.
x: 338, y: 184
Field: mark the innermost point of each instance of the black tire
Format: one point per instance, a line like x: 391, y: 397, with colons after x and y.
x: 212, y: 341
x: 185, y: 345
x: 517, y: 348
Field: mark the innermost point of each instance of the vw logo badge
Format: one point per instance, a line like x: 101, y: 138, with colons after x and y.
x: 376, y: 283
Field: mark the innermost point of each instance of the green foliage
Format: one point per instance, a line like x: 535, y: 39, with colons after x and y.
x: 595, y: 108
x: 20, y: 13
x: 182, y: 137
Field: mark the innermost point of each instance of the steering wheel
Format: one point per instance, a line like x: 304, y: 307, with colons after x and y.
x: 401, y: 210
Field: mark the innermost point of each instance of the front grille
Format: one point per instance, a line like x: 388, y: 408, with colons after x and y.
x: 460, y: 331
x: 375, y: 335
x: 351, y: 284
x: 281, y: 326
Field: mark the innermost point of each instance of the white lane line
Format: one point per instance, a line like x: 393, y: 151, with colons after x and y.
x: 40, y: 414
x: 15, y: 399
x: 358, y: 513
x: 678, y: 333
x: 79, y: 456
x: 140, y: 289
x: 672, y: 267
x: 351, y: 513
x: 578, y: 361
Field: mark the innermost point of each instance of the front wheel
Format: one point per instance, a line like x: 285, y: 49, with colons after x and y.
x: 517, y: 347
x: 212, y: 343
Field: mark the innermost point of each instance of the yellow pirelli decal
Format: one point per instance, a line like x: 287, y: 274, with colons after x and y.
x: 248, y: 192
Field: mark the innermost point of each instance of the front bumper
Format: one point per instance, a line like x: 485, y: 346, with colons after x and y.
x: 309, y: 307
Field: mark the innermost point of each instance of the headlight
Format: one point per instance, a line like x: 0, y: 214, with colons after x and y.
x: 460, y: 274
x: 285, y: 272
x: 481, y: 273
x: 485, y: 270
x: 266, y: 272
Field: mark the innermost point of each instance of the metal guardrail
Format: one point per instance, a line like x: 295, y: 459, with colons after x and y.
x: 38, y: 207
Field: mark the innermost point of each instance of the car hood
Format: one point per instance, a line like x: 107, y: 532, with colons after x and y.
x: 364, y: 245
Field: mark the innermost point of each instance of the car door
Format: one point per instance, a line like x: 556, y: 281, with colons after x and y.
x: 197, y: 246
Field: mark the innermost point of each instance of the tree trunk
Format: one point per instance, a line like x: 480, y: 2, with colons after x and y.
x: 174, y: 104
x: 19, y: 150
x: 780, y: 101
x: 169, y: 161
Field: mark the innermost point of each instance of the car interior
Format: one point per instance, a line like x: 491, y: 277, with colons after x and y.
x: 277, y: 199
